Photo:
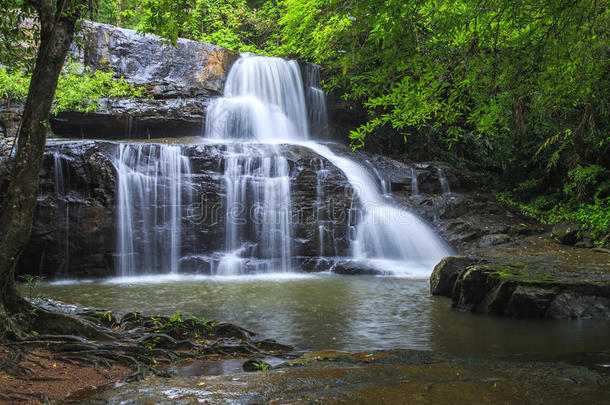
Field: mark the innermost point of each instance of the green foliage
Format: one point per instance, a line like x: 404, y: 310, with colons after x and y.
x: 31, y: 282
x: 228, y: 23
x: 13, y: 85
x: 78, y: 89
x: 521, y: 89
x: 261, y: 365
x: 182, y: 325
x: 584, y: 180
x: 81, y: 89
x: 122, y: 13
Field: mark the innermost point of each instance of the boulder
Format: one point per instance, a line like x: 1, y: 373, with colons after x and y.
x: 446, y: 272
x: 557, y: 286
x: 354, y: 268
x: 566, y: 232
x: 492, y: 240
x: 188, y: 69
x: 471, y: 221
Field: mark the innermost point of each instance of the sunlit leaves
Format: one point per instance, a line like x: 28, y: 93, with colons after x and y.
x: 77, y: 89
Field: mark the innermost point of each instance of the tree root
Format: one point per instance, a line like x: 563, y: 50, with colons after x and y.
x: 148, y: 345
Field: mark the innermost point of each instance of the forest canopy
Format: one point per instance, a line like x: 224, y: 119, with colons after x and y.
x: 518, y: 91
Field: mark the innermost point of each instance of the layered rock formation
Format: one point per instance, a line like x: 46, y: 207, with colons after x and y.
x: 74, y: 232
x: 532, y: 278
x: 178, y: 82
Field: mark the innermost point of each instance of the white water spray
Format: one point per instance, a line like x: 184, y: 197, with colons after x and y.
x: 264, y: 101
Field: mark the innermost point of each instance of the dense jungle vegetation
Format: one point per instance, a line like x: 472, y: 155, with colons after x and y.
x: 516, y: 90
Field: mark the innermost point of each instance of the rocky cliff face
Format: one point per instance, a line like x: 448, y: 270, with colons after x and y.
x: 178, y: 81
x: 74, y: 232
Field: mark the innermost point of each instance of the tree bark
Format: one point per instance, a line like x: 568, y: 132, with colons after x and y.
x: 57, y: 25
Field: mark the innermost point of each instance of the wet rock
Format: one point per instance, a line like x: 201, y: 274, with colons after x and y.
x: 315, y: 264
x: 376, y: 377
x: 10, y: 117
x: 470, y: 221
x: 228, y: 330
x: 555, y: 285
x: 270, y: 345
x: 178, y: 82
x: 566, y: 232
x: 492, y: 240
x: 73, y: 229
x: 530, y: 301
x: 354, y: 268
x: 446, y: 272
x: 575, y: 306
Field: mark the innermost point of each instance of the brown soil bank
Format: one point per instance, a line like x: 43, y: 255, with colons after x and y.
x: 389, y: 377
x: 530, y: 277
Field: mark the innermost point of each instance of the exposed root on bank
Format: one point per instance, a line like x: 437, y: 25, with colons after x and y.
x: 102, y: 339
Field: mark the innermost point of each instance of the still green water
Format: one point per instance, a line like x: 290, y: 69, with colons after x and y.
x: 324, y: 311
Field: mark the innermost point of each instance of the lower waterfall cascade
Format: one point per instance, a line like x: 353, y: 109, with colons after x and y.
x: 266, y: 106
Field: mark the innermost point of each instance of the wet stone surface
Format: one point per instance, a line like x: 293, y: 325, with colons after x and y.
x: 532, y: 277
x: 398, y: 376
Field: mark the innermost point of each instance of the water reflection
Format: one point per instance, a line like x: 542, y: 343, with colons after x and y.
x: 346, y: 313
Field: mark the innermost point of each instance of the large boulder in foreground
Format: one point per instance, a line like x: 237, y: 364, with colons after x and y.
x: 556, y: 284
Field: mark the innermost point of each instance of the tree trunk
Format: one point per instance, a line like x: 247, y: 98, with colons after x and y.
x: 16, y: 216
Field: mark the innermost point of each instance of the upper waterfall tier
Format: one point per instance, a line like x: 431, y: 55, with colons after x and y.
x: 263, y: 99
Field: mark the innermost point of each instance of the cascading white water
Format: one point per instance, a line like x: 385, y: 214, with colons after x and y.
x: 445, y: 189
x: 62, y: 177
x: 385, y: 185
x: 385, y: 235
x: 316, y: 101
x: 150, y: 206
x: 264, y: 101
x: 414, y: 186
x: 258, y: 209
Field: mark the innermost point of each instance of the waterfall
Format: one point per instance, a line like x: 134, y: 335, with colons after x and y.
x: 385, y: 185
x: 316, y: 101
x: 264, y: 102
x: 414, y: 187
x: 258, y: 209
x: 62, y: 177
x: 443, y: 180
x: 385, y: 232
x: 151, y: 181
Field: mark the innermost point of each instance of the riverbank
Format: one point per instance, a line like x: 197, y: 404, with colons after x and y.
x: 388, y: 377
x: 92, y: 350
x: 383, y: 377
x: 47, y: 377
